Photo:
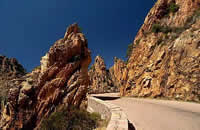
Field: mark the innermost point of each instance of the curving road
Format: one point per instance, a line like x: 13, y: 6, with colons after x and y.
x: 147, y: 114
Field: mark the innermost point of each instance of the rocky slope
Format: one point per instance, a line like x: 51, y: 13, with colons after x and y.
x: 10, y: 69
x: 62, y: 80
x: 165, y: 60
x: 100, y: 77
x: 118, y: 73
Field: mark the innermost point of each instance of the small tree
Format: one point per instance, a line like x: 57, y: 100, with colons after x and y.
x: 71, y: 119
x: 129, y: 50
x: 156, y: 28
x: 172, y: 8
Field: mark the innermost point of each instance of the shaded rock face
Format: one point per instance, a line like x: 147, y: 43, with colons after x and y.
x: 165, y: 61
x: 62, y: 80
x: 100, y: 77
x: 10, y: 69
x: 119, y: 73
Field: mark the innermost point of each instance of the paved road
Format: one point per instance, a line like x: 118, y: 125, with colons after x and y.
x: 147, y: 114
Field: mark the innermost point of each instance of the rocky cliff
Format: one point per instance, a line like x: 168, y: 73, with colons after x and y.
x: 10, y: 69
x: 165, y: 60
x: 62, y: 80
x: 118, y: 72
x: 100, y: 77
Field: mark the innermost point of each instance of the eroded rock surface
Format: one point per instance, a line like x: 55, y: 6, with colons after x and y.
x: 119, y: 72
x: 165, y: 61
x: 101, y: 81
x: 10, y: 69
x: 61, y: 80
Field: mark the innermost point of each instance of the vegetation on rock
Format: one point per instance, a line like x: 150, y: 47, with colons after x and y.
x: 172, y: 8
x: 156, y: 28
x: 166, y: 62
x: 129, y: 50
x: 73, y: 119
x: 61, y: 80
x: 10, y: 69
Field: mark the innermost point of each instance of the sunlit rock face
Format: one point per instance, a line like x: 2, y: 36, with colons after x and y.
x: 62, y: 80
x: 119, y: 73
x: 101, y: 81
x: 165, y: 60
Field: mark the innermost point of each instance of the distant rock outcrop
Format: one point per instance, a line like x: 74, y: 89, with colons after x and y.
x: 119, y: 73
x: 100, y: 77
x: 62, y: 80
x: 10, y: 69
x: 165, y: 60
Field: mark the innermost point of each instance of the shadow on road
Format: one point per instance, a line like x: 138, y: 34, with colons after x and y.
x: 130, y: 126
x: 104, y: 98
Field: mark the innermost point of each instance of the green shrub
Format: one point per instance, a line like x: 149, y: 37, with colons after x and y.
x: 138, y: 42
x: 166, y: 29
x: 73, y: 119
x: 156, y: 28
x: 189, y: 22
x: 56, y: 120
x: 193, y: 18
x: 172, y: 8
x: 178, y: 29
x: 95, y: 116
x: 129, y: 50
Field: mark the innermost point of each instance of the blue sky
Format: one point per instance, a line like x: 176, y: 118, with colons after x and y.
x: 29, y: 27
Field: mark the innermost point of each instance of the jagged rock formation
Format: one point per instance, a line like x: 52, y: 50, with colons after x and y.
x: 100, y: 78
x: 10, y: 69
x: 62, y: 80
x: 165, y: 61
x: 118, y: 73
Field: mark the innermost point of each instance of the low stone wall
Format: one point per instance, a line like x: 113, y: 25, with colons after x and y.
x: 117, y: 118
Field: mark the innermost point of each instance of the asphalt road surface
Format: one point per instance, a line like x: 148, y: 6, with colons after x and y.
x: 147, y: 114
